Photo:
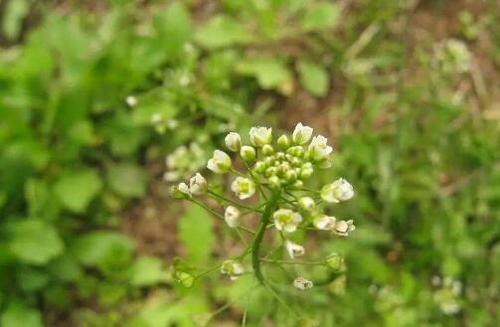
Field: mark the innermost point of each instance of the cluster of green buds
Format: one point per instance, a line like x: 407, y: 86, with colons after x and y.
x: 183, y: 162
x: 271, y: 187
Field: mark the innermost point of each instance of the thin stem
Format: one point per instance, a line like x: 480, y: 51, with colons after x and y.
x: 220, y: 197
x: 218, y: 215
x: 288, y: 262
x: 266, y: 217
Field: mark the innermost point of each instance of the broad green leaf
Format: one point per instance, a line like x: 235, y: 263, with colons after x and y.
x: 313, y: 77
x: 319, y: 16
x: 15, y: 11
x: 127, y: 180
x: 147, y: 271
x: 270, y: 73
x: 97, y: 248
x: 222, y: 31
x: 174, y: 26
x: 153, y: 104
x: 18, y: 314
x: 77, y: 188
x: 196, y: 234
x: 34, y: 241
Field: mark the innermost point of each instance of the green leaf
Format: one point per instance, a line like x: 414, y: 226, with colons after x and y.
x: 34, y: 241
x: 313, y: 77
x: 270, y: 73
x: 322, y: 15
x: 148, y: 271
x: 77, y: 188
x: 174, y: 26
x: 127, y: 180
x: 19, y: 314
x: 196, y: 234
x: 222, y: 31
x: 15, y: 11
x: 97, y: 248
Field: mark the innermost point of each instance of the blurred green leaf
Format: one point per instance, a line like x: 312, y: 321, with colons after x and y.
x: 127, y: 179
x: 222, y: 31
x: 34, y: 241
x: 314, y: 78
x: 320, y: 15
x: 196, y: 235
x: 76, y: 189
x: 96, y: 248
x: 271, y: 73
x: 15, y: 12
x: 18, y: 314
x: 147, y: 271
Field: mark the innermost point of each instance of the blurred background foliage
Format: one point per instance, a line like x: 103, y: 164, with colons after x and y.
x: 95, y: 94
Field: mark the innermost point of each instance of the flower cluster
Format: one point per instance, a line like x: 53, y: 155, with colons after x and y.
x: 453, y: 56
x: 275, y: 174
x: 447, y: 296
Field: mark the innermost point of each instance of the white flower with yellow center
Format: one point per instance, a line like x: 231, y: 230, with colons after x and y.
x: 232, y: 268
x: 260, y: 136
x: 233, y: 141
x: 319, y: 149
x: 243, y: 187
x: 219, y: 163
x: 286, y: 220
x: 198, y: 185
x: 302, y: 134
x: 302, y: 284
x: 232, y: 216
x: 339, y: 190
x: 294, y: 249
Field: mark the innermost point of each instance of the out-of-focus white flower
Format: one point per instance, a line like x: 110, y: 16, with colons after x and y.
x: 324, y: 222
x: 198, y: 184
x: 131, y: 100
x: 243, y: 187
x: 260, y: 136
x: 233, y: 141
x: 219, y: 163
x: 294, y: 249
x: 248, y: 153
x: 339, y: 190
x: 156, y: 118
x: 286, y: 220
x: 302, y: 284
x: 343, y: 228
x: 307, y: 203
x: 232, y: 268
x: 319, y: 149
x: 232, y: 216
x: 302, y: 134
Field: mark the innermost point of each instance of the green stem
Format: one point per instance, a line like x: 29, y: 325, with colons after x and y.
x: 266, y: 217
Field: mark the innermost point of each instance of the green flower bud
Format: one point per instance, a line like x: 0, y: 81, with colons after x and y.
x: 283, y: 142
x: 247, y: 153
x: 291, y: 175
x: 274, y: 182
x: 306, y: 171
x: 335, y: 262
x: 307, y: 203
x: 259, y: 167
x: 296, y: 151
x: 298, y: 184
x: 267, y: 149
x: 271, y: 171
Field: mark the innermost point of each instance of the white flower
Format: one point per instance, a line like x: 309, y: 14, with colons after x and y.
x: 302, y: 284
x: 343, y: 228
x: 232, y: 268
x: 294, y: 250
x: 220, y: 162
x: 319, y: 150
x: 302, y: 134
x: 339, y: 190
x: 183, y: 188
x: 307, y: 203
x: 198, y: 184
x: 325, y: 222
x: 131, y: 100
x: 248, y: 153
x: 233, y: 141
x: 243, y: 187
x: 286, y: 220
x: 232, y: 216
x: 260, y: 136
x: 156, y: 118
